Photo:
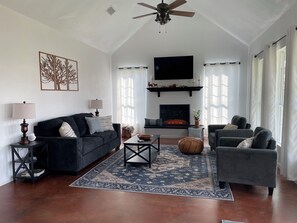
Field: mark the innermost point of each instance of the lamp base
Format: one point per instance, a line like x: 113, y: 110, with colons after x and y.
x: 24, y: 129
x: 24, y: 140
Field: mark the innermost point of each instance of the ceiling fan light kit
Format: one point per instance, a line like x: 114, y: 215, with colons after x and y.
x: 164, y: 11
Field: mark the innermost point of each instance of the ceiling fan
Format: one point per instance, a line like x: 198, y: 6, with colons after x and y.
x: 164, y: 11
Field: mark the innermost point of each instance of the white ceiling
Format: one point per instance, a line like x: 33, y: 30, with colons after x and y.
x: 89, y: 22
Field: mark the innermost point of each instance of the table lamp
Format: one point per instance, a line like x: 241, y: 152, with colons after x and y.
x: 97, y: 104
x: 23, y: 111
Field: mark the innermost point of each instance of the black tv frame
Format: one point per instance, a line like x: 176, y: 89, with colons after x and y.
x: 174, y: 68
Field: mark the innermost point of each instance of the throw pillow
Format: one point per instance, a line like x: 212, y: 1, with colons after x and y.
x: 99, y: 124
x: 66, y: 131
x: 105, y: 123
x: 261, y: 139
x: 93, y: 124
x: 230, y: 127
x: 247, y: 143
x: 153, y: 122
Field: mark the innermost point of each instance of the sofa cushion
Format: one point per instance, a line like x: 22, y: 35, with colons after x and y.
x: 261, y: 139
x: 239, y: 121
x: 107, y: 136
x: 49, y: 127
x: 66, y: 130
x: 81, y: 123
x: 91, y: 143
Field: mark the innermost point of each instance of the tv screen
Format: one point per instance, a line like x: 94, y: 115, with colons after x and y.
x: 173, y: 68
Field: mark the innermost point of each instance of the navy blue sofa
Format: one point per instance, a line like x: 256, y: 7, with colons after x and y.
x: 73, y: 154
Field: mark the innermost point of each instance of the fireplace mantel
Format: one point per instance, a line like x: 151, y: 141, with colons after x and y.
x: 162, y: 89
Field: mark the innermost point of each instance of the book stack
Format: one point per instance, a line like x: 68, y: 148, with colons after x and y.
x: 37, y: 173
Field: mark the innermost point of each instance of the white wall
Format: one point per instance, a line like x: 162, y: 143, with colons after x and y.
x: 20, y: 41
x: 185, y: 36
x: 276, y: 31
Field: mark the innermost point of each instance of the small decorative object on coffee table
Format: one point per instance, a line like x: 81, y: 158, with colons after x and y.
x: 144, y: 137
x: 139, y: 151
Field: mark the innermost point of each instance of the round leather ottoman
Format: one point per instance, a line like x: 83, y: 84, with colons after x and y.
x: 190, y: 145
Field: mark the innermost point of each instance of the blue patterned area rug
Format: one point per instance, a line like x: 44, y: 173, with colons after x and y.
x: 172, y: 173
x: 228, y: 221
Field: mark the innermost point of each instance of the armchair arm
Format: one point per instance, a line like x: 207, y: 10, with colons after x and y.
x: 64, y: 153
x: 247, y: 166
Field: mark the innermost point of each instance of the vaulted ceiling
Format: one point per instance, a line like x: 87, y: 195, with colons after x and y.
x: 89, y: 21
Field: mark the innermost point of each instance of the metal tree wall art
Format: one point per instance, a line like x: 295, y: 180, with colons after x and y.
x: 57, y: 73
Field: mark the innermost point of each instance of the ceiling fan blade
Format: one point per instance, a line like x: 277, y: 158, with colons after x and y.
x: 175, y: 4
x: 136, y: 17
x: 148, y: 6
x: 182, y: 13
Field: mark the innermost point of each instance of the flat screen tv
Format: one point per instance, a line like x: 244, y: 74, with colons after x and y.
x: 173, y: 68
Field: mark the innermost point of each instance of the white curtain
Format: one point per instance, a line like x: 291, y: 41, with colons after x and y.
x: 221, y: 93
x: 288, y: 165
x: 131, y: 97
x: 268, y: 111
x: 256, y: 91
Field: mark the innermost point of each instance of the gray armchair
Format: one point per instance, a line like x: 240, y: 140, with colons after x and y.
x: 215, y: 132
x: 251, y: 166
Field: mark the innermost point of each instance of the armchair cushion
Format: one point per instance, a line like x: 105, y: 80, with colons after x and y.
x: 262, y: 138
x: 239, y: 121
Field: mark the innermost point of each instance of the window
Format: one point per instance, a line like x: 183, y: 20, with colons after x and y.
x: 131, y: 97
x: 221, y: 92
x: 280, y: 89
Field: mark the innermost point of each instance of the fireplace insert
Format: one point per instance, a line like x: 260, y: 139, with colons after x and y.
x: 175, y: 115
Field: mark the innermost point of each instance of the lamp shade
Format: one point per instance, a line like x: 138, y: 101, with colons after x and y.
x: 97, y: 104
x: 23, y: 110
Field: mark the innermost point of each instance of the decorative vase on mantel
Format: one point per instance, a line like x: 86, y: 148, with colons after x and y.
x: 197, y: 124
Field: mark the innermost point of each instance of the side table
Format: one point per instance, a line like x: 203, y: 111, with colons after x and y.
x: 196, y: 132
x: 29, y: 161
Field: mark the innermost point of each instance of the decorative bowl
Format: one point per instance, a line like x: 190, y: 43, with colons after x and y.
x: 144, y: 137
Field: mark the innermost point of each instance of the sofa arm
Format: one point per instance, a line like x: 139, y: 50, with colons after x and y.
x: 117, y: 128
x: 247, y: 166
x: 64, y: 153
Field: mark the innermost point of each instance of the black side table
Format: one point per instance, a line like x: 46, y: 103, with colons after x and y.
x: 29, y: 161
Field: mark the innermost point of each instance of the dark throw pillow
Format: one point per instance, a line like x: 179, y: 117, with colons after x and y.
x: 153, y: 122
x: 261, y: 139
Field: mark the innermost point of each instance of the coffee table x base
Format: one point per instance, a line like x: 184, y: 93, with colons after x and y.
x: 141, y: 152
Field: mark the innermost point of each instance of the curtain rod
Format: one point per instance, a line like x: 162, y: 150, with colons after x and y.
x: 259, y: 53
x: 132, y: 67
x: 278, y: 40
x: 223, y: 63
